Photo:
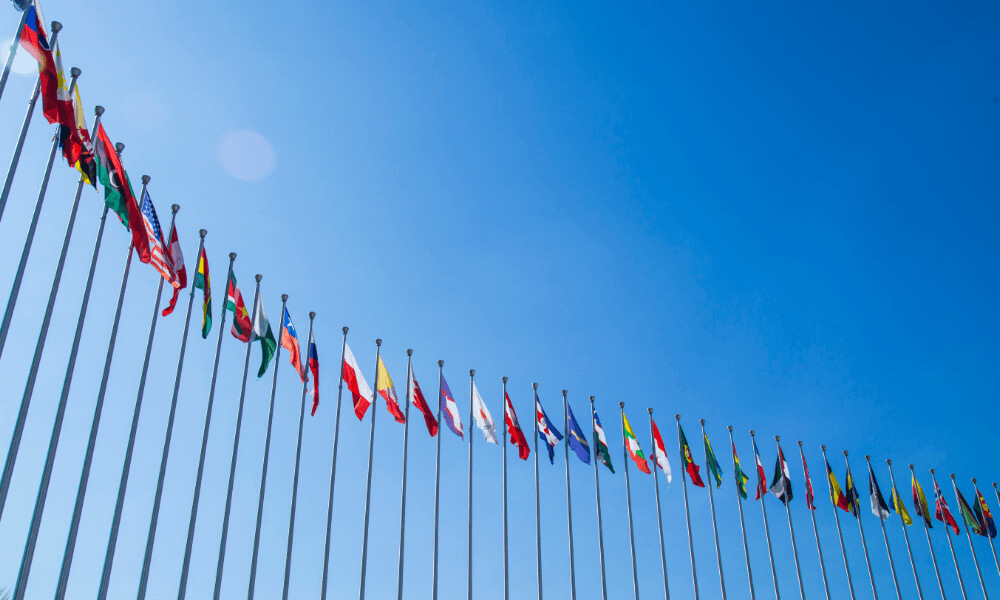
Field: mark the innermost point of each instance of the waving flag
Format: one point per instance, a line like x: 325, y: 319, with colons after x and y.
x: 449, y: 409
x: 290, y: 342
x: 601, y: 451
x: 157, y: 247
x: 687, y: 459
x: 761, y: 476
x: 967, y: 515
x: 900, y: 507
x: 383, y: 383
x: 242, y: 327
x: 262, y: 331
x: 810, y: 496
x: 660, y: 452
x: 118, y: 194
x: 314, y: 369
x: 879, y: 508
x: 361, y: 394
x: 920, y: 501
x: 712, y: 463
x: 852, y: 494
x: 781, y: 484
x: 417, y: 399
x: 514, y: 429
x: 632, y: 444
x: 484, y: 420
x: 942, y: 513
x: 836, y: 495
x: 741, y: 477
x: 177, y: 266
x: 546, y: 431
x: 57, y: 105
x: 202, y: 282
x: 984, y: 515
x: 577, y: 440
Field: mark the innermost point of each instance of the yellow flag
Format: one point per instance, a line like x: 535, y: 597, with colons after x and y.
x: 897, y: 504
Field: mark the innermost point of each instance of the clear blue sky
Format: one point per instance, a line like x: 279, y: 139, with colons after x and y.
x: 776, y: 217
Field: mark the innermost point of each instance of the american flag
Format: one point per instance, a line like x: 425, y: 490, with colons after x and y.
x: 158, y: 259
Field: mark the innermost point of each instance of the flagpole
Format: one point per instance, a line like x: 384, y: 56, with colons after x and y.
x: 158, y: 497
x: 992, y: 547
x: 402, y: 497
x: 687, y: 511
x: 437, y: 489
x: 628, y: 506
x: 368, y: 489
x: 840, y: 535
x: 659, y: 516
x: 975, y: 559
x: 906, y: 536
x: 13, y: 48
x: 109, y: 555
x: 32, y: 227
x: 506, y: 583
x: 538, y: 514
x: 951, y: 546
x: 763, y: 512
x: 597, y: 488
x: 236, y: 445
x: 791, y: 530
x: 295, y: 476
x: 715, y: 531
x: 333, y: 471
x: 927, y: 532
x: 743, y: 531
x: 569, y: 502
x: 189, y: 545
x: 267, y: 452
x: 888, y: 551
x: 56, y: 27
x: 861, y: 529
x: 472, y: 383
x: 812, y: 514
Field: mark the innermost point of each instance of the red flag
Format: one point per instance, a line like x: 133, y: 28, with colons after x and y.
x: 180, y: 279
x: 514, y: 428
x: 290, y: 342
x: 810, y: 497
x: 761, y: 476
x: 355, y: 380
x: 136, y: 223
x: 314, y: 368
x: 416, y: 397
x: 241, y: 318
x: 942, y: 513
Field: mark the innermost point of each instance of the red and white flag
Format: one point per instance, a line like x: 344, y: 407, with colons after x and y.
x: 386, y: 389
x: 810, y: 496
x: 180, y: 279
x: 484, y: 420
x: 761, y: 476
x: 660, y: 452
x: 355, y: 380
x: 416, y: 397
x: 514, y: 429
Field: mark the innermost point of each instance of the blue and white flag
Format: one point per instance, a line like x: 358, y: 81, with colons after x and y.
x: 546, y: 432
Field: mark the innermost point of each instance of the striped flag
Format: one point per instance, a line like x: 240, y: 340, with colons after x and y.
x: 920, y: 501
x: 180, y: 273
x: 634, y: 451
x: 154, y: 233
x: 660, y: 452
x: 202, y: 282
x: 314, y: 369
x: 361, y: 394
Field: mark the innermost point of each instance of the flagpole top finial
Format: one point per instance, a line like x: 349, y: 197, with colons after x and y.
x: 751, y: 433
x: 973, y: 481
x: 702, y: 421
x: 472, y: 372
x: 409, y: 351
x: 953, y: 477
x: 932, y: 471
x: 258, y: 277
x: 284, y: 298
x: 504, y: 378
x: 344, y: 329
x: 232, y: 256
x: 378, y: 341
x: 441, y: 363
x: 777, y: 438
x: 75, y: 72
x: 888, y: 461
x: 56, y: 26
x: 534, y: 386
x: 119, y: 148
x: 994, y: 485
x: 202, y: 232
x: 565, y: 392
x: 911, y: 467
x: 678, y: 417
x: 823, y: 448
x: 98, y: 110
x: 650, y: 410
x: 868, y: 457
x: 800, y: 443
x: 591, y: 399
x: 174, y: 208
x: 730, y: 428
x: 312, y: 315
x: 145, y: 178
x: 621, y: 405
x: 845, y: 453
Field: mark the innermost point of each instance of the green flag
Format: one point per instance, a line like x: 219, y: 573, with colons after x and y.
x: 262, y: 331
x: 967, y: 514
x: 741, y: 477
x: 601, y: 444
x: 109, y: 176
x: 713, y: 464
x: 202, y: 281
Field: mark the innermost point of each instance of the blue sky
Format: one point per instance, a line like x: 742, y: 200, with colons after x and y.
x: 779, y: 218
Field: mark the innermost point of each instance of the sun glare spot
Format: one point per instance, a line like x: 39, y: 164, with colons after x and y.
x: 246, y: 155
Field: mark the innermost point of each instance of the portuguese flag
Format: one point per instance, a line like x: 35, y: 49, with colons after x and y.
x: 201, y: 281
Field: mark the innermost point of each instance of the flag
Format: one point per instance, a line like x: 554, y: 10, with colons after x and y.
x: 484, y: 420
x: 879, y: 507
x: 74, y: 139
x: 634, y: 451
x: 712, y: 463
x: 967, y: 515
x: 836, y: 495
x: 781, y: 483
x: 202, y: 282
x: 449, y: 408
x: 514, y: 429
x: 262, y: 331
x: 941, y: 512
x: 57, y: 105
x: 900, y: 508
x: 920, y: 501
x: 118, y: 195
x: 290, y: 342
x: 383, y: 383
x: 577, y: 440
x: 761, y: 476
x: 157, y: 247
x: 546, y: 431
x: 660, y: 452
x: 984, y: 515
x: 314, y: 368
x: 601, y: 451
x: 687, y: 459
x: 416, y: 398
x: 741, y: 477
x: 34, y: 39
x: 810, y: 496
x: 242, y: 326
x: 180, y: 273
x: 355, y: 380
x: 852, y: 494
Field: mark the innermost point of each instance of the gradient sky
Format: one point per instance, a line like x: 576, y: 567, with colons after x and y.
x: 773, y: 217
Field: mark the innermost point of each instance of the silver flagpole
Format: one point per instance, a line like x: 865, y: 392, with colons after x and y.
x: 538, y: 513
x: 711, y: 504
x: 975, y: 559
x: 368, y: 488
x: 597, y: 491
x: 909, y: 551
x: 189, y: 545
x: 13, y: 46
x: 437, y: 489
x: 812, y: 514
x: 992, y: 547
x: 687, y: 510
x: 472, y: 386
x: 791, y: 530
x: 659, y: 516
x: 32, y: 227
x: 402, y: 495
x: 888, y: 551
x: 951, y: 547
x: 506, y: 586
x: 743, y: 531
x: 763, y: 512
x: 267, y: 453
x: 298, y: 459
x: 840, y: 535
x: 628, y: 506
x: 861, y: 529
x: 333, y: 472
x: 109, y: 555
x: 56, y: 27
x: 236, y: 445
x: 927, y: 532
x: 158, y: 497
x: 569, y: 501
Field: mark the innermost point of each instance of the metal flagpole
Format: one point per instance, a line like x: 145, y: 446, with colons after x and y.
x: 236, y: 447
x: 888, y: 551
x: 402, y: 496
x: 840, y: 535
x: 763, y: 512
x: 597, y: 490
x: 951, y: 547
x: 158, y: 497
x: 437, y: 490
x: 267, y: 453
x: 628, y: 506
x: 812, y: 514
x: 333, y: 471
x: 975, y: 559
x: 109, y: 555
x: 506, y: 586
x: 538, y: 513
x: 14, y: 44
x: 909, y: 551
x: 368, y: 489
x: 992, y: 547
x: 189, y: 545
x: 659, y: 516
x: 472, y: 387
x: 861, y: 528
x: 927, y: 532
x: 32, y: 227
x: 56, y: 27
x: 569, y: 501
x: 715, y: 531
x: 295, y: 475
x: 687, y: 510
x: 791, y: 530
x: 743, y: 531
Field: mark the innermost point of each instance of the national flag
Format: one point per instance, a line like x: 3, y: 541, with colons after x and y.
x: 761, y: 476
x: 449, y: 409
x: 57, y: 105
x: 687, y: 459
x: 660, y: 451
x: 484, y: 420
x: 242, y: 327
x: 810, y: 496
x: 942, y: 513
x: 879, y: 508
x: 781, y: 483
x: 262, y: 331
x: 416, y: 398
x: 601, y: 451
x: 836, y: 495
x: 361, y: 394
x: 853, y: 499
x: 712, y: 463
x: 290, y: 342
x: 546, y: 430
x: 900, y: 507
x: 576, y: 438
x: 118, y: 194
x: 984, y: 515
x: 157, y: 246
x: 741, y: 477
x: 634, y: 451
x: 201, y: 281
x: 967, y: 515
x: 383, y: 383
x: 177, y: 266
x: 314, y: 369
x: 34, y: 39
x: 74, y: 139
x: 920, y: 501
x: 514, y: 429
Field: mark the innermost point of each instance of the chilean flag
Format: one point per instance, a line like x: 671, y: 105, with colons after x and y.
x: 290, y: 342
x: 355, y: 380
x: 449, y: 409
x: 314, y: 368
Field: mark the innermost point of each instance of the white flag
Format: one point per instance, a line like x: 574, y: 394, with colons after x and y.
x: 483, y: 418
